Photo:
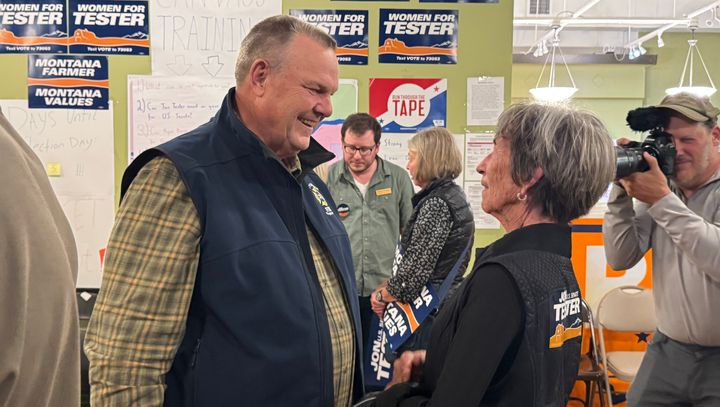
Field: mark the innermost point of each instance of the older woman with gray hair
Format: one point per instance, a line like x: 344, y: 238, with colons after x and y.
x: 510, y: 336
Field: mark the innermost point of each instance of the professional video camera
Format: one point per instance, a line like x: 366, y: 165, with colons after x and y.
x: 658, y: 143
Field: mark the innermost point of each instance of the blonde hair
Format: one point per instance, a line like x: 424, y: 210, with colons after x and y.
x: 437, y: 155
x: 269, y: 39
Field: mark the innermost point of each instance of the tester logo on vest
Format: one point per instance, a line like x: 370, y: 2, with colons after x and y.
x: 320, y: 198
x: 566, y: 322
x: 408, y: 105
x: 68, y: 82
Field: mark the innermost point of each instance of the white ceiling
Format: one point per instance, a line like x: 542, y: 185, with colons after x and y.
x: 600, y: 26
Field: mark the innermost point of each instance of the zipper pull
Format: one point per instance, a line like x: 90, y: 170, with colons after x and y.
x: 196, y: 349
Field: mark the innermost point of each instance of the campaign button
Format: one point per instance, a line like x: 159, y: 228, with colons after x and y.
x: 343, y: 210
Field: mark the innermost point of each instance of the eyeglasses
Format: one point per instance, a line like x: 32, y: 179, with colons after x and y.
x: 362, y: 150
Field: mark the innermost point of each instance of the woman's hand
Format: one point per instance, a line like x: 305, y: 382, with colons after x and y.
x: 408, y: 367
x: 378, y: 307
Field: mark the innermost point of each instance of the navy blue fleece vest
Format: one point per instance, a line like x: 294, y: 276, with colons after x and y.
x: 257, y: 332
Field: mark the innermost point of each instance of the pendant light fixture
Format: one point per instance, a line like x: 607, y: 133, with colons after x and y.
x: 691, y: 87
x: 552, y: 93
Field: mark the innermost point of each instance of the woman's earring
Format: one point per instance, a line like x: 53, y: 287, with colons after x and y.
x: 521, y: 196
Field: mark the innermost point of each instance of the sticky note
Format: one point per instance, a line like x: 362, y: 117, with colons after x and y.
x: 54, y: 169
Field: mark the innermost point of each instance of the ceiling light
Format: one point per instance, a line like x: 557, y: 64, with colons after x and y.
x: 552, y: 93
x: 631, y: 53
x: 690, y: 87
x: 661, y: 43
x: 641, y: 50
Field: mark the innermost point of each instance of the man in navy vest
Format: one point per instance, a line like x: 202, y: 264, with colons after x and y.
x: 228, y: 277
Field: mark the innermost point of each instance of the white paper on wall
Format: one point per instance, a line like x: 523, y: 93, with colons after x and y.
x: 394, y: 148
x: 161, y: 108
x: 76, y: 148
x: 477, y: 147
x: 485, y: 96
x: 473, y: 190
x: 201, y: 38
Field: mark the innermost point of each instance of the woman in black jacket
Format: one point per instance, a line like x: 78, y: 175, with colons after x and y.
x: 437, y: 234
x: 510, y: 336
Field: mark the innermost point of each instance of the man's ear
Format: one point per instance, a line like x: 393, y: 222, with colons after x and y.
x: 259, y: 75
x: 715, y: 135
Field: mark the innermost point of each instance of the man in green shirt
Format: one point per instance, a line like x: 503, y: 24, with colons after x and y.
x: 374, y: 201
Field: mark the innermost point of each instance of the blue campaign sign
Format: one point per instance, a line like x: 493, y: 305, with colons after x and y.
x: 348, y: 27
x: 418, y: 36
x: 67, y: 82
x: 402, y: 320
x: 377, y: 370
x: 33, y: 27
x: 109, y: 27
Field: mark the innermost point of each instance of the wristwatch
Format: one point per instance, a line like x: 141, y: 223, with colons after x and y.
x: 378, y: 296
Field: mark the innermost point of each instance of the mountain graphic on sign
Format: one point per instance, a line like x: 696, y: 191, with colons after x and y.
x: 357, y: 48
x: 9, y: 38
x: 138, y: 35
x: 86, y: 37
x: 398, y: 47
x: 356, y: 44
x: 446, y: 44
x: 55, y: 34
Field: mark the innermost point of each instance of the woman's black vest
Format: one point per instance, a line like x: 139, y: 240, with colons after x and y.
x: 462, y: 231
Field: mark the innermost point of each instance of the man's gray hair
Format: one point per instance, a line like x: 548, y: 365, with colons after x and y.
x: 269, y: 39
x: 573, y: 148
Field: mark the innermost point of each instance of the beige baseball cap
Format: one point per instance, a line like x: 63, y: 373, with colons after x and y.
x: 696, y: 108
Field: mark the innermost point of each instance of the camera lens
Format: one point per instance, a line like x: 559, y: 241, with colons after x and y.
x: 629, y: 160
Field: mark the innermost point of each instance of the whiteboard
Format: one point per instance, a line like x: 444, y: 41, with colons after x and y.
x: 202, y: 38
x: 161, y: 108
x: 76, y: 148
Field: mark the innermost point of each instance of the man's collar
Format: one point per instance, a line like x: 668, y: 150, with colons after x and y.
x: 313, y: 156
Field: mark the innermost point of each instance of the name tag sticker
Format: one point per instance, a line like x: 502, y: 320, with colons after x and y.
x: 383, y: 192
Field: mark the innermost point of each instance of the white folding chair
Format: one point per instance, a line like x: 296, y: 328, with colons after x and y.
x: 624, y: 309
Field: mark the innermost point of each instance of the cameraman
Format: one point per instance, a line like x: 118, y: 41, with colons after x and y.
x: 680, y: 221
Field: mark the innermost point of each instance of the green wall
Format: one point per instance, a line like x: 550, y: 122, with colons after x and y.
x: 608, y: 90
x: 485, y: 47
x: 612, y: 90
x: 484, y: 30
x: 476, y: 41
x: 671, y: 58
